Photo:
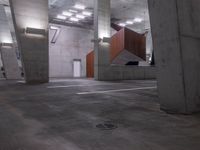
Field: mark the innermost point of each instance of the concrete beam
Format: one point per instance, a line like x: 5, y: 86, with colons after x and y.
x: 176, y: 37
x: 33, y: 46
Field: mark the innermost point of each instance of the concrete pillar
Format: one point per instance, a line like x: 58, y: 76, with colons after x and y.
x: 8, y: 55
x: 176, y: 38
x: 102, y: 29
x: 33, y: 43
x: 9, y: 60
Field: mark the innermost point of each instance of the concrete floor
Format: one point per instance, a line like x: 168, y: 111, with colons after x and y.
x: 59, y: 116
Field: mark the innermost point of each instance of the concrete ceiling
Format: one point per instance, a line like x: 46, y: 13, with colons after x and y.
x: 4, y: 2
x: 58, y: 6
x: 122, y: 10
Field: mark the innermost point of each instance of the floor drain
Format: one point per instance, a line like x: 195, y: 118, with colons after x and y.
x: 106, y: 126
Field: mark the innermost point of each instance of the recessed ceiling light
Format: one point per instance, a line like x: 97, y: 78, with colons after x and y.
x: 129, y: 22
x: 66, y: 13
x: 80, y: 16
x: 61, y: 17
x: 73, y: 11
x: 74, y: 19
x: 122, y: 24
x: 79, y: 6
x: 87, y: 13
x: 138, y: 20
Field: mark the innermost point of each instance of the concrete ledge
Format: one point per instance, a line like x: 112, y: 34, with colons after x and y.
x: 116, y: 72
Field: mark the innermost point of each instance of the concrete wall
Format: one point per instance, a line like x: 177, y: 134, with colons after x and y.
x: 72, y: 43
x: 149, y: 44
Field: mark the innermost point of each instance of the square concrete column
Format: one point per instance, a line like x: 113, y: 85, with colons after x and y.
x: 31, y: 25
x: 176, y: 37
x: 102, y: 29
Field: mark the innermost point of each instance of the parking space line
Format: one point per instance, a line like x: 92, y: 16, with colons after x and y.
x: 118, y: 90
x: 67, y: 86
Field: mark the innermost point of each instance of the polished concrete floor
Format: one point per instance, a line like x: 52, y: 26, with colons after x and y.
x: 65, y: 114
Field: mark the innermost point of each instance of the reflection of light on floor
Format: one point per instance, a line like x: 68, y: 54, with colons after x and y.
x: 21, y: 82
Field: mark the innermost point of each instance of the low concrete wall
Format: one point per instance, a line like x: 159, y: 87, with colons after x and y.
x: 116, y: 72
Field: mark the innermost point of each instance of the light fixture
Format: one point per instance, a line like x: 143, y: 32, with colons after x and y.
x: 87, y: 13
x: 54, y: 27
x: 129, y: 22
x: 29, y: 30
x: 106, y: 40
x: 6, y: 44
x: 73, y: 11
x: 138, y: 20
x: 6, y: 39
x: 79, y: 6
x: 122, y: 24
x: 80, y: 16
x: 61, y: 17
x: 66, y: 13
x: 96, y: 40
x: 74, y: 19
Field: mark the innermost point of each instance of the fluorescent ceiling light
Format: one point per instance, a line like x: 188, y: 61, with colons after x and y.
x: 122, y: 24
x: 6, y: 44
x: 74, y: 19
x: 138, y: 20
x: 73, y: 11
x: 61, y: 17
x: 66, y: 13
x: 54, y: 28
x: 29, y: 30
x: 80, y: 16
x: 106, y: 39
x: 79, y: 6
x: 87, y: 13
x: 129, y: 22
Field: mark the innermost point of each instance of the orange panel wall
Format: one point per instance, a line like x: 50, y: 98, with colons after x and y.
x: 90, y: 64
x: 135, y: 43
x: 117, y: 44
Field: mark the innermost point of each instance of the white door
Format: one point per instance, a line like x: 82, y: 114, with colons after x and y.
x: 77, y: 68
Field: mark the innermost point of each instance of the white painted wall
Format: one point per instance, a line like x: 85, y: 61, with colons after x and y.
x: 72, y: 43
